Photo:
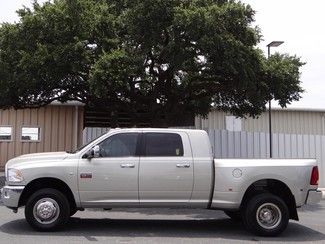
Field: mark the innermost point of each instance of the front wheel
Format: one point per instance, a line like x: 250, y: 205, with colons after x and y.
x: 47, y: 210
x: 266, y: 215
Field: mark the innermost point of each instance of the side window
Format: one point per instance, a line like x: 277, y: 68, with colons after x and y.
x: 120, y: 145
x: 163, y: 144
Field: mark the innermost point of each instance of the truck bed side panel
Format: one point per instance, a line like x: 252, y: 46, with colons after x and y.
x: 234, y: 176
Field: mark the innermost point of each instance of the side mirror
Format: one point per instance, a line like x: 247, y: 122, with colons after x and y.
x: 96, y: 151
x: 93, y: 153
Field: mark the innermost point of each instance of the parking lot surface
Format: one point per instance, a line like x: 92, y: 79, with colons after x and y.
x: 159, y: 226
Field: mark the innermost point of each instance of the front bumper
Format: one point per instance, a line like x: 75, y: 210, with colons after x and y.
x: 10, y: 195
x: 313, y: 197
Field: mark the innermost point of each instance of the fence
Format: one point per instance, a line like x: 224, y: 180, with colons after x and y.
x: 228, y: 144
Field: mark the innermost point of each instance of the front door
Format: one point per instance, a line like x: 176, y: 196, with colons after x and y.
x: 166, y: 170
x: 111, y: 179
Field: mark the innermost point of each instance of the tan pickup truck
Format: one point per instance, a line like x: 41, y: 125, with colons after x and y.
x: 159, y: 168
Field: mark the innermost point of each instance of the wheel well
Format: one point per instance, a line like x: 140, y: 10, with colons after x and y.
x: 275, y: 187
x: 41, y: 183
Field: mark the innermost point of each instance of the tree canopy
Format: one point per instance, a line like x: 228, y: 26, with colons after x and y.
x: 168, y: 58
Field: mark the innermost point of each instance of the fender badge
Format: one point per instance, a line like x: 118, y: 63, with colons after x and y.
x: 86, y: 175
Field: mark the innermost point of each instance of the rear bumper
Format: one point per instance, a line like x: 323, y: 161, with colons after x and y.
x: 313, y: 197
x: 10, y: 195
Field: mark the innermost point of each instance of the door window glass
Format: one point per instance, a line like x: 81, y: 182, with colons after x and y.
x: 120, y: 145
x: 163, y: 144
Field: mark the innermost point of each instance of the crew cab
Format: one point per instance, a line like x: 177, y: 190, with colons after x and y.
x: 163, y: 168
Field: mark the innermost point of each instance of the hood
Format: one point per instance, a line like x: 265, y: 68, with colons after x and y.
x: 35, y: 157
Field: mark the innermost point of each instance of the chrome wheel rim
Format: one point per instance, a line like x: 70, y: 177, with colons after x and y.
x: 268, y: 216
x: 46, y: 211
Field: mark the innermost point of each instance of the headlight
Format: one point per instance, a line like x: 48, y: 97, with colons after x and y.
x: 14, y: 175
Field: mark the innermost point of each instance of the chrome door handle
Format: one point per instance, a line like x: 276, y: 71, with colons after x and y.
x: 127, y: 165
x: 186, y: 165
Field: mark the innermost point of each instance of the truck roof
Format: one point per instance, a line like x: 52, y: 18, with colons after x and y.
x: 159, y: 130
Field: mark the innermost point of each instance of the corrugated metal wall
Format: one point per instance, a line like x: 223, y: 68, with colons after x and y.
x: 59, y: 130
x: 214, y: 120
x: 90, y: 133
x: 283, y: 121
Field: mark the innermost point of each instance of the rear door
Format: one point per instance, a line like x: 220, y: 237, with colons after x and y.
x: 166, y: 169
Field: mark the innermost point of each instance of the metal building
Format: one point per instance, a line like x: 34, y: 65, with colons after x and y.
x: 56, y: 127
x: 288, y: 121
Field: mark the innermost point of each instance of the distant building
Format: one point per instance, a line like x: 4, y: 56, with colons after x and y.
x: 286, y: 121
x: 56, y: 127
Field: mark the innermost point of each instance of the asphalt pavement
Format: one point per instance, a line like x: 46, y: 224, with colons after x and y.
x: 159, y: 226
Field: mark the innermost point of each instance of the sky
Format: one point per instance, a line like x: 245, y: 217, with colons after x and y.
x: 299, y: 23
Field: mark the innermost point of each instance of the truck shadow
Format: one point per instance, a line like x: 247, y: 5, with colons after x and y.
x: 207, y: 228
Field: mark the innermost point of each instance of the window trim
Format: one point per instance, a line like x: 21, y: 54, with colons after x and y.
x: 137, y: 146
x: 144, y: 144
x: 12, y: 136
x: 30, y: 126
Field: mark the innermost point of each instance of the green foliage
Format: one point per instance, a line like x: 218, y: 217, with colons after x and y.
x: 163, y: 57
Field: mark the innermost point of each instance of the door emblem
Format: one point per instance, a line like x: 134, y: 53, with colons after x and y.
x: 86, y: 175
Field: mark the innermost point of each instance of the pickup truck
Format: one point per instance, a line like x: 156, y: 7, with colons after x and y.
x: 163, y: 168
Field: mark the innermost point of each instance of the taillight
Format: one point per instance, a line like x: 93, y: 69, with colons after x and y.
x: 314, y: 176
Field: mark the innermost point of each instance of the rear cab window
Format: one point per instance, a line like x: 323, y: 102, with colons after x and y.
x: 159, y: 144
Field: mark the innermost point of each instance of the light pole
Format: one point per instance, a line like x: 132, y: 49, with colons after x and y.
x: 271, y: 44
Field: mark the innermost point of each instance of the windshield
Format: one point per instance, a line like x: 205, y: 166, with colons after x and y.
x: 82, y: 147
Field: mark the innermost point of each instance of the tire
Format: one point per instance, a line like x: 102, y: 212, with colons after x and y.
x: 47, y: 210
x: 234, y: 215
x: 73, y: 211
x: 266, y: 215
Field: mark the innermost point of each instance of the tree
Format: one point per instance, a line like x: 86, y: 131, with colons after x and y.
x: 167, y: 58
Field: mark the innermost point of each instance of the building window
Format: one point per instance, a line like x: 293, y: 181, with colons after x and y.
x: 5, y: 133
x: 30, y: 133
x: 233, y: 123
